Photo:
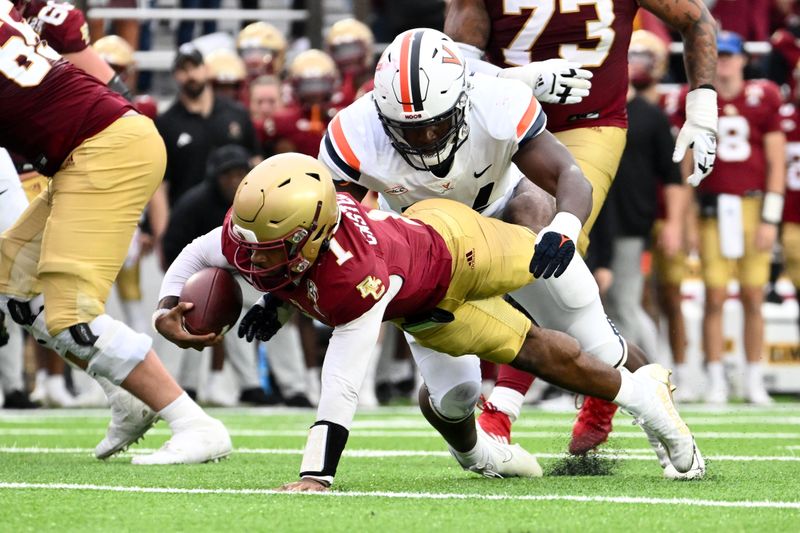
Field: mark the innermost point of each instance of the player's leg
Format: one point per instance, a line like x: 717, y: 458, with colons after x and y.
x: 96, y: 202
x: 716, y: 272
x: 499, y: 333
x: 753, y: 277
x: 791, y: 254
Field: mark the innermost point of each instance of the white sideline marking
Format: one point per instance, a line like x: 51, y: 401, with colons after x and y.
x: 397, y: 434
x: 640, y: 454
x: 420, y: 495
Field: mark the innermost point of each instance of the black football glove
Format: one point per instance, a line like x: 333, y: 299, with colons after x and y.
x: 552, y: 255
x: 261, y: 321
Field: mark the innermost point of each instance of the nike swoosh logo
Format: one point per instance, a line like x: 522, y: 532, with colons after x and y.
x: 482, y: 172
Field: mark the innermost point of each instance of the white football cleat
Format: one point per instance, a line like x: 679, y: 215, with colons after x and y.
x: 654, y: 410
x: 130, y: 420
x: 200, y: 440
x: 697, y: 471
x: 502, y: 460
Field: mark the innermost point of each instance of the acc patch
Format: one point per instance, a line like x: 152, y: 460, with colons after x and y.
x: 371, y: 286
x: 395, y: 190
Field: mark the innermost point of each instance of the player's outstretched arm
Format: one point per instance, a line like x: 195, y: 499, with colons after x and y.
x: 346, y: 362
x: 547, y: 163
x: 698, y: 29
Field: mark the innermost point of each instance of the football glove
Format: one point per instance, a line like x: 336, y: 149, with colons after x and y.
x: 555, y: 81
x: 263, y: 320
x: 699, y: 133
x: 555, y: 246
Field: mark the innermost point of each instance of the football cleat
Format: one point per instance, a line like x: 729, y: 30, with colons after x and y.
x: 130, y: 420
x: 495, y: 423
x: 697, y: 471
x: 502, y: 460
x: 201, y: 440
x: 655, y: 411
x: 593, y: 425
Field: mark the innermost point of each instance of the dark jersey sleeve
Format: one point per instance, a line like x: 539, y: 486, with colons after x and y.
x: 62, y: 25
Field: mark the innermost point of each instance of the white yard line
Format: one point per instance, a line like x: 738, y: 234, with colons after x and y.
x: 743, y: 504
x: 28, y: 431
x: 639, y: 454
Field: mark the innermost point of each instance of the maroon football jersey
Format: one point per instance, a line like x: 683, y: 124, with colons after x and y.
x: 146, y: 105
x: 368, y: 246
x: 62, y: 25
x: 741, y: 164
x: 47, y: 106
x: 790, y: 124
x: 595, y: 34
x: 304, y: 129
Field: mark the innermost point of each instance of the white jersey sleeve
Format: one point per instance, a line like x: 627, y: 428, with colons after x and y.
x: 515, y: 115
x: 203, y: 252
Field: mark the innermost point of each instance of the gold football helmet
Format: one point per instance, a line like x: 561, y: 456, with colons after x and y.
x: 224, y: 66
x: 313, y: 76
x: 350, y: 44
x: 262, y: 47
x: 647, y: 56
x: 286, y: 207
x: 115, y: 51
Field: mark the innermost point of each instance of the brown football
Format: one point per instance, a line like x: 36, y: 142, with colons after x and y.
x: 217, y: 300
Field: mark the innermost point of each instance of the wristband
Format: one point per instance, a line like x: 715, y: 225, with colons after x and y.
x: 567, y: 224
x: 158, y: 313
x: 326, y: 441
x: 772, y: 208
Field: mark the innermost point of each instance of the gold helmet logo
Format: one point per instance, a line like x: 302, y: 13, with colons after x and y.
x: 286, y: 208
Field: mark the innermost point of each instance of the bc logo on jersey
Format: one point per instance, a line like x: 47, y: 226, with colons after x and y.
x: 371, y: 286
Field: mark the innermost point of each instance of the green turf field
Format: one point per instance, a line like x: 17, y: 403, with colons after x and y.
x: 397, y: 476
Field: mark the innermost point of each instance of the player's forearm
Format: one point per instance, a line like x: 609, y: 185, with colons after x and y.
x: 775, y: 152
x: 203, y: 252
x: 90, y: 62
x: 574, y: 193
x: 468, y: 22
x: 698, y: 30
x: 676, y: 200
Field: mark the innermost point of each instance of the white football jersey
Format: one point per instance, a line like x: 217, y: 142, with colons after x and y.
x: 501, y: 114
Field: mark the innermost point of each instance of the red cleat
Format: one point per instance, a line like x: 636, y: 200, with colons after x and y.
x: 592, y: 427
x: 495, y: 423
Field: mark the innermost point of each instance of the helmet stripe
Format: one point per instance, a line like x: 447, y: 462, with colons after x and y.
x: 416, y: 96
x: 405, y: 89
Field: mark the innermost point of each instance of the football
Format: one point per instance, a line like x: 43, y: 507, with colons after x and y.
x: 217, y: 300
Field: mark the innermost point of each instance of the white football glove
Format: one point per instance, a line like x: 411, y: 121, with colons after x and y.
x: 555, y: 81
x: 699, y: 133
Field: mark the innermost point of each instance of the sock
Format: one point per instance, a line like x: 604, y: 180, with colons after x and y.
x: 627, y: 389
x: 181, y: 409
x: 507, y: 401
x: 681, y: 374
x: 755, y: 375
x: 511, y: 378
x: 473, y: 456
x: 716, y: 374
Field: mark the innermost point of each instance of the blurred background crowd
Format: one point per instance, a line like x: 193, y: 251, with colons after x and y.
x: 229, y: 83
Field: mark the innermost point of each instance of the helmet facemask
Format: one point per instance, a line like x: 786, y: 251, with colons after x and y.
x: 429, y: 144
x: 290, y: 264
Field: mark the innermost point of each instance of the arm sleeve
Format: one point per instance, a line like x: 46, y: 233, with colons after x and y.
x: 347, y: 358
x: 203, y: 252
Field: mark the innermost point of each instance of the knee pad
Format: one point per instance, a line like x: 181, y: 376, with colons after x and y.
x: 111, y: 348
x: 612, y: 348
x: 458, y: 402
x: 30, y: 315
